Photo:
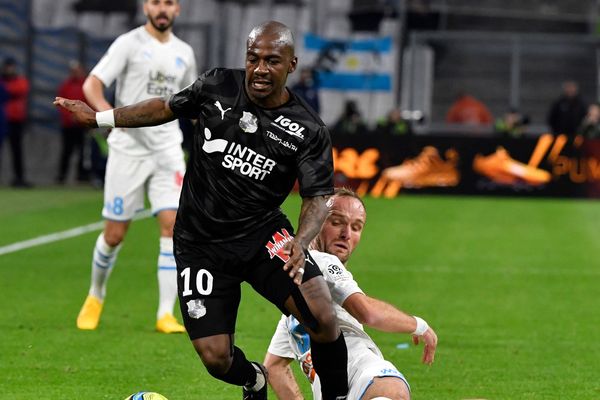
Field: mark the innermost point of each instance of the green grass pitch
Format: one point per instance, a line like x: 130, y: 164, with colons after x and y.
x: 512, y: 287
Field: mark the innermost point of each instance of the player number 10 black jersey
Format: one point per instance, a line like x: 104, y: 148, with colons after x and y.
x: 245, y: 159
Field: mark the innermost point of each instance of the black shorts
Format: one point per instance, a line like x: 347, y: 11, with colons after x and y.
x: 209, y: 276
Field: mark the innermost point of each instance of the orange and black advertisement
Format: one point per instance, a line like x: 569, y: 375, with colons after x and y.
x: 548, y: 165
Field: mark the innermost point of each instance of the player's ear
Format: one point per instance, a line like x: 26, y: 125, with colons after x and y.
x: 293, y: 64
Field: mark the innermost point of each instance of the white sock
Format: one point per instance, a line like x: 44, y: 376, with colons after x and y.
x: 167, y: 278
x: 260, y: 380
x: 102, y: 264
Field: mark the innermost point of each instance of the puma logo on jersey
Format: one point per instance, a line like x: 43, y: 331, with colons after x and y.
x: 288, y: 126
x: 220, y: 107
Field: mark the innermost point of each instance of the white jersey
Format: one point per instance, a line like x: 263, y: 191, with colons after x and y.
x: 365, y: 361
x: 145, y: 68
x: 292, y: 341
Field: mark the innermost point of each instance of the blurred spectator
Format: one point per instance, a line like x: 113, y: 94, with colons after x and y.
x: 73, y: 134
x: 466, y: 109
x: 308, y: 89
x: 99, y: 156
x: 393, y: 124
x: 567, y: 111
x: 17, y: 87
x: 3, y: 127
x: 590, y: 126
x: 512, y: 124
x: 350, y: 122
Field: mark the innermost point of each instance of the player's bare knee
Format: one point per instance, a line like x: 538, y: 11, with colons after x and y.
x: 114, y: 232
x: 113, y: 237
x: 215, y: 356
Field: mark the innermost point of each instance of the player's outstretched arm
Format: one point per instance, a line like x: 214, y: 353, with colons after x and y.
x: 312, y: 215
x: 385, y: 317
x: 281, y: 378
x: 149, y: 112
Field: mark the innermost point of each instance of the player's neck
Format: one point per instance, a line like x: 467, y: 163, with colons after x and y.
x: 158, y: 35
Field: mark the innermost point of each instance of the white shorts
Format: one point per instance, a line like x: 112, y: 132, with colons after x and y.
x: 365, y: 363
x: 128, y: 177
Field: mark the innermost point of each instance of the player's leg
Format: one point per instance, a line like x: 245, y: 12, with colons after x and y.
x: 104, y: 257
x: 227, y: 362
x: 123, y: 196
x: 209, y: 295
x: 387, y: 387
x: 311, y: 304
x: 167, y: 275
x: 164, y: 188
x: 373, y: 377
x: 313, y: 307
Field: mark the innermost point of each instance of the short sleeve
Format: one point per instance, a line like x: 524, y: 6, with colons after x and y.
x: 340, y: 281
x: 113, y: 62
x: 280, y: 344
x: 186, y: 102
x: 315, y: 165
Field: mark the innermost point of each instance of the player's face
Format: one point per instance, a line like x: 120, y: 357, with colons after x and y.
x: 268, y: 63
x: 343, y: 227
x: 161, y: 13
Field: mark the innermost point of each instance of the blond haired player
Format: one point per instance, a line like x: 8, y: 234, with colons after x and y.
x: 370, y: 376
x: 147, y: 62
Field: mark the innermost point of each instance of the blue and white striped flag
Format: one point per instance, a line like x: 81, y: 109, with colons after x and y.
x: 351, y: 64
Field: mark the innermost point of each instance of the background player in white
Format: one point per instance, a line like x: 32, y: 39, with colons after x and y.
x: 147, y: 62
x: 370, y: 375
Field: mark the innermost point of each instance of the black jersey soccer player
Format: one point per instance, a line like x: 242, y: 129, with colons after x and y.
x: 253, y: 139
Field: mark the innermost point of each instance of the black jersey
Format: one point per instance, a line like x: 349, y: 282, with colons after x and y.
x: 245, y: 159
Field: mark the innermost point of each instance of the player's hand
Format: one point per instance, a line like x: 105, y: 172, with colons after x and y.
x: 82, y: 113
x: 429, y: 338
x: 295, y: 263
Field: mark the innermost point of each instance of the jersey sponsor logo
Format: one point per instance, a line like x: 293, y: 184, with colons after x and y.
x: 289, y: 126
x: 238, y: 157
x: 248, y: 122
x: 220, y: 107
x: 275, y: 247
x: 282, y: 142
x: 160, y: 84
x: 196, y: 308
x: 213, y: 146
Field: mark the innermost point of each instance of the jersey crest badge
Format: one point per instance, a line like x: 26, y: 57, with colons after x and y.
x: 196, y: 308
x: 276, y: 246
x: 248, y: 122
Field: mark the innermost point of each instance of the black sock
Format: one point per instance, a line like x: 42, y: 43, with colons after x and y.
x: 241, y: 372
x: 330, y: 361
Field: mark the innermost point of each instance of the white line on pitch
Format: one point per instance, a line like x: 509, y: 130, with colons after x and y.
x: 55, y: 237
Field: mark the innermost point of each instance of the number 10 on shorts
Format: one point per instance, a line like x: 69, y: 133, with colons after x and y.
x: 204, y: 282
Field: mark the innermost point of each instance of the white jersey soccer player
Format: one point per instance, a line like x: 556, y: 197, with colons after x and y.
x: 146, y: 62
x: 145, y: 68
x: 365, y: 360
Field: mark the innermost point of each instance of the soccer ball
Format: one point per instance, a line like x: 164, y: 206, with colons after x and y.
x: 146, y: 396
